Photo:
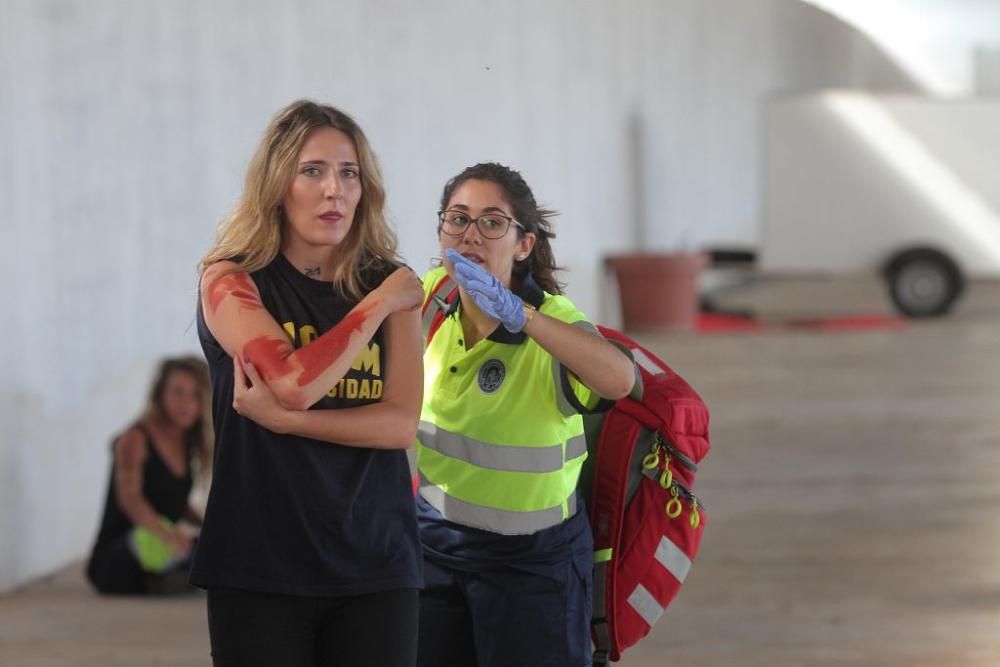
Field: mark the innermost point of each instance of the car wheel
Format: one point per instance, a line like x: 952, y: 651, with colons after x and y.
x: 924, y: 282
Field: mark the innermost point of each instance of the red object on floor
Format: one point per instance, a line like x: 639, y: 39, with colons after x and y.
x: 716, y: 322
x: 852, y: 323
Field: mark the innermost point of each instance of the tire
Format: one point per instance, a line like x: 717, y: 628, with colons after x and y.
x: 924, y: 282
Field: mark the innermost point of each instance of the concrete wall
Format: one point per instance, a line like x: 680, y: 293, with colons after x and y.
x: 987, y: 67
x: 125, y: 127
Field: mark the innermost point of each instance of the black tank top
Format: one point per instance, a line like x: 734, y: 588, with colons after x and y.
x: 167, y: 493
x: 294, y: 515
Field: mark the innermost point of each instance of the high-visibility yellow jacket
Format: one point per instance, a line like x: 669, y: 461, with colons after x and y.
x: 499, y: 447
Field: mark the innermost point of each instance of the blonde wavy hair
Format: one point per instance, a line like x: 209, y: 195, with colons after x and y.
x: 253, y: 234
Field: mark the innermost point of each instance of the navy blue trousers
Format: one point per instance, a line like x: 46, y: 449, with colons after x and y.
x: 524, y: 617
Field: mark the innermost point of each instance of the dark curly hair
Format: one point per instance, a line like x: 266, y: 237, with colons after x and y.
x: 541, y: 263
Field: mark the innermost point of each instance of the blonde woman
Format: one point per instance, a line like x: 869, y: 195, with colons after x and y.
x: 309, y: 551
x: 140, y: 549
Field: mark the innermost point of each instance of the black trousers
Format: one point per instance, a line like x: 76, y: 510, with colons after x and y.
x: 114, y: 570
x: 248, y: 629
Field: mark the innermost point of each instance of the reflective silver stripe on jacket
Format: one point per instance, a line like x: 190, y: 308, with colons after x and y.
x: 434, y: 307
x: 504, y: 522
x: 428, y: 319
x: 576, y: 446
x: 510, y: 458
x: 564, y: 405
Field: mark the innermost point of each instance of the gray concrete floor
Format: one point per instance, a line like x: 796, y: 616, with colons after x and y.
x: 854, y: 506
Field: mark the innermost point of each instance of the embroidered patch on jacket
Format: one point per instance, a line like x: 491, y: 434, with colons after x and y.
x: 491, y: 375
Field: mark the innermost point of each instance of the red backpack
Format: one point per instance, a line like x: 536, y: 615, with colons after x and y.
x: 638, y: 481
x: 643, y: 452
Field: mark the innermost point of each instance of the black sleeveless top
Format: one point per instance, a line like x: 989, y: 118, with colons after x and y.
x: 298, y: 516
x: 167, y: 493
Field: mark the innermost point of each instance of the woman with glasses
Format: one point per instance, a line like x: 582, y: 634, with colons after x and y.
x: 309, y: 549
x: 508, y: 554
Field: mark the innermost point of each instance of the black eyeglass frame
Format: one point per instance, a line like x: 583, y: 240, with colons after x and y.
x: 479, y: 227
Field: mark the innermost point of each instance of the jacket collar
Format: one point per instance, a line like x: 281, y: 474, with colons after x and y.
x: 529, y: 292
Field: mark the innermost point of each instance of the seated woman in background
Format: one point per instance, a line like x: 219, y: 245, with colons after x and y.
x: 140, y: 547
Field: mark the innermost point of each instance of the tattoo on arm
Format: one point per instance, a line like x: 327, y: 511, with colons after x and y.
x: 313, y: 272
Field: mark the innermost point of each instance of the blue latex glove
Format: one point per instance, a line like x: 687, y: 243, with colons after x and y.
x: 488, y: 292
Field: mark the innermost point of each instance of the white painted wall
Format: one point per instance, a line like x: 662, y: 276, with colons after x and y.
x: 933, y: 41
x: 987, y: 68
x: 125, y: 126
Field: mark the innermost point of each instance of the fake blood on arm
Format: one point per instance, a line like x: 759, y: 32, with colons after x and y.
x: 270, y: 355
x: 322, y: 352
x: 238, y: 285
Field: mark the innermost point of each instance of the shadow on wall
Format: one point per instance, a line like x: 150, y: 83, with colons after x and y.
x: 853, y: 59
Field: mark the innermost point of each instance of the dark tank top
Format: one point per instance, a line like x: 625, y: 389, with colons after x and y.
x: 167, y: 493
x: 298, y: 516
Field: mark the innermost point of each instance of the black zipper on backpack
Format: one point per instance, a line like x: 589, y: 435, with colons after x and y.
x: 684, y: 492
x: 674, y: 453
x: 687, y: 494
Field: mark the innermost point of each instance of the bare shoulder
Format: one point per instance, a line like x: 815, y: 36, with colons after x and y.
x: 130, y: 447
x: 217, y: 270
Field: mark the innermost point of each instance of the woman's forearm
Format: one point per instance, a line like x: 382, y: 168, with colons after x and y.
x: 193, y: 516
x: 383, y: 425
x: 301, y: 377
x: 389, y: 424
x: 600, y: 366
x: 236, y: 316
x: 141, y: 513
x: 597, y: 363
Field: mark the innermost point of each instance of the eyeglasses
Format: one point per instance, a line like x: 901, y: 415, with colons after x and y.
x: 490, y: 225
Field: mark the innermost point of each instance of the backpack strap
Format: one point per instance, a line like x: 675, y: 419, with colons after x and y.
x: 604, y: 404
x: 599, y: 621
